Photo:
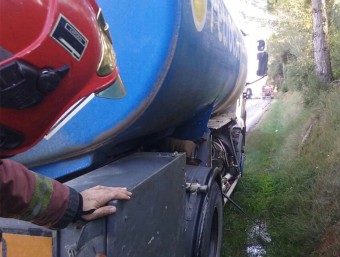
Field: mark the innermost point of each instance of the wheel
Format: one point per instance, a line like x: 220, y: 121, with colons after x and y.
x: 209, y: 240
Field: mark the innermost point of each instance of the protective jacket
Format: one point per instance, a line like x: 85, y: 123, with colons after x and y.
x: 26, y: 195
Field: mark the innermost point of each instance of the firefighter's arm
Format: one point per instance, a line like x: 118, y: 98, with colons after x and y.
x: 28, y: 196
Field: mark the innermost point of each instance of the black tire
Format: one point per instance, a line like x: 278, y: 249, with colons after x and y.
x: 209, y: 240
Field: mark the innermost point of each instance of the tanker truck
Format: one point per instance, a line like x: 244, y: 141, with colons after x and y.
x: 169, y: 123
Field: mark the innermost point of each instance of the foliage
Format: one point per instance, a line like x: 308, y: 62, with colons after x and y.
x: 290, y: 184
x: 335, y: 49
x: 313, y: 89
x: 333, y: 12
x: 290, y: 48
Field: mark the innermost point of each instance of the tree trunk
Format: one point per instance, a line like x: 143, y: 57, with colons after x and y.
x: 322, y: 60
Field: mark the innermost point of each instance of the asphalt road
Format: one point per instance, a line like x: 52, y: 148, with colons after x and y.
x: 255, y: 109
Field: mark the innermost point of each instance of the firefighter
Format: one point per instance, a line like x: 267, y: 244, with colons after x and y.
x: 53, y: 54
x: 26, y: 195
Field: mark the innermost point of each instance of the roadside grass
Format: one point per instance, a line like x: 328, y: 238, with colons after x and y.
x: 292, y: 180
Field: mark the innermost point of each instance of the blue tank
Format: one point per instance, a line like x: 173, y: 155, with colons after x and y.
x: 180, y: 61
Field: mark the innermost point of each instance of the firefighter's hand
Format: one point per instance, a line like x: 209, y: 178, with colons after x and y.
x: 98, y: 196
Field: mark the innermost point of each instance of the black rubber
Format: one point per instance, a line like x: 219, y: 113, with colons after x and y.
x: 209, y: 236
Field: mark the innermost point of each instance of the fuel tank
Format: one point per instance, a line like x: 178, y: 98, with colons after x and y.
x: 180, y: 62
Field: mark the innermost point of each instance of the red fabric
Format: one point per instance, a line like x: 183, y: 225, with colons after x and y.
x: 17, y: 186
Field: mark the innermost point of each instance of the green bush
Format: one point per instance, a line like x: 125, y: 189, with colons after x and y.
x: 312, y: 92
x: 335, y: 51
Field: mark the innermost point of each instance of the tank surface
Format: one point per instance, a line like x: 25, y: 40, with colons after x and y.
x: 180, y: 61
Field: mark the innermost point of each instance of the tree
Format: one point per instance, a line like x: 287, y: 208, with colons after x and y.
x: 322, y: 60
x: 290, y: 47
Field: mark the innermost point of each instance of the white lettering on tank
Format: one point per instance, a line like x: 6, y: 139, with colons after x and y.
x: 220, y: 23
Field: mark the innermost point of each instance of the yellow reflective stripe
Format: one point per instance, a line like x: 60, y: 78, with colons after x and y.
x: 40, y: 199
x: 28, y: 245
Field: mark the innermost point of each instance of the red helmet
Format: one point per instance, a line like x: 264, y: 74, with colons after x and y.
x: 53, y: 53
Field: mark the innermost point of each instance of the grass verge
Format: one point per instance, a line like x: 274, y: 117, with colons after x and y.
x: 292, y: 180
